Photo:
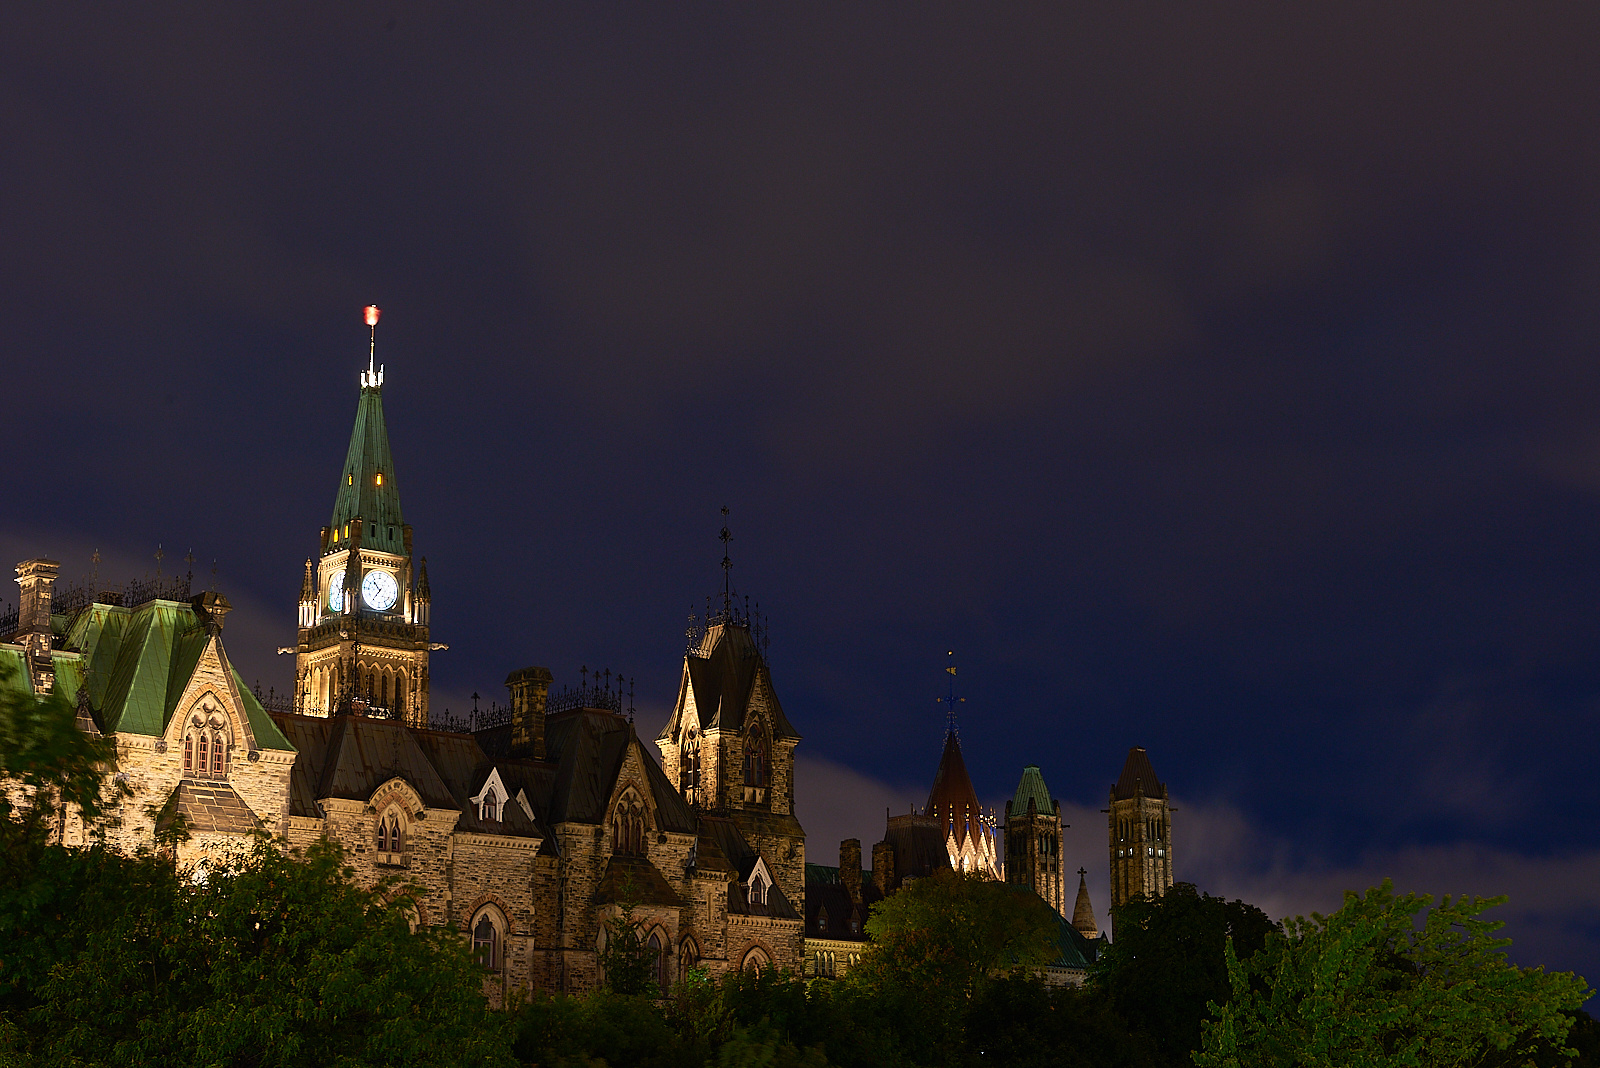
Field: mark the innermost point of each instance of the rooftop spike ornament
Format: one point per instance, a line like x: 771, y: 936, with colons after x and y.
x: 950, y: 700
x: 727, y: 568
x: 372, y: 377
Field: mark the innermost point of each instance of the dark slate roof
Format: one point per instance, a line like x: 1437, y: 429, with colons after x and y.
x: 722, y: 833
x: 638, y: 878
x: 952, y: 801
x: 724, y: 673
x: 918, y: 843
x: 359, y: 493
x: 208, y: 807
x: 828, y: 898
x: 1138, y: 776
x: 588, y: 747
x: 1032, y: 788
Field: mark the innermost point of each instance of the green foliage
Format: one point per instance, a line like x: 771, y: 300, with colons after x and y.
x: 626, y: 960
x: 952, y: 930
x: 1019, y: 1022
x: 935, y: 944
x: 42, y: 750
x: 1368, y: 985
x: 604, y: 1028
x: 272, y: 960
x: 1169, y: 962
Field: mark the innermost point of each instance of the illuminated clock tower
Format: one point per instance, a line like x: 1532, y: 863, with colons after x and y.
x: 363, y: 637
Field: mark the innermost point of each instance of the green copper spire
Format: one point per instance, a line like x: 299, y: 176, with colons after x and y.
x: 367, y: 487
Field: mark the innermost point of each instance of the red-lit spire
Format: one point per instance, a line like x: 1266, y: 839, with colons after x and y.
x: 372, y: 377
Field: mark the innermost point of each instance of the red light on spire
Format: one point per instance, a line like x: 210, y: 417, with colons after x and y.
x: 372, y: 315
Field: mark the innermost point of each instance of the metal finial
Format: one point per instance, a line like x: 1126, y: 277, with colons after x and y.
x: 189, y: 559
x: 727, y: 565
x: 159, y: 556
x: 584, y: 671
x: 474, y: 702
x: 1083, y: 871
x: 950, y: 700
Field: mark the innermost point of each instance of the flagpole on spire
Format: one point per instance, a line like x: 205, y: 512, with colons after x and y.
x: 372, y: 377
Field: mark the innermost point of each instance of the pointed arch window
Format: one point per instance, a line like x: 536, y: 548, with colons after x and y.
x: 205, y: 745
x: 490, y: 808
x: 488, y: 939
x: 688, y: 958
x: 627, y: 826
x: 391, y: 833
x: 691, y: 761
x: 755, y: 755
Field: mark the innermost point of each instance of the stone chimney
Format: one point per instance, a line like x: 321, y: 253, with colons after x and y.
x: 850, y: 867
x: 529, y: 689
x: 37, y: 578
x: 883, y: 867
x: 211, y: 608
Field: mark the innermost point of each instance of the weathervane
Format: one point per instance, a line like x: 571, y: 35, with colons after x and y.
x: 950, y: 700
x: 372, y: 377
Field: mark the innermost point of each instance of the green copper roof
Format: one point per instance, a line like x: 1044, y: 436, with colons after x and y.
x: 1032, y: 788
x: 367, y: 487
x: 136, y: 664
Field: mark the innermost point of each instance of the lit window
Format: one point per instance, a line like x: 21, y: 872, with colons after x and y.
x: 380, y: 478
x: 349, y: 480
x: 389, y: 840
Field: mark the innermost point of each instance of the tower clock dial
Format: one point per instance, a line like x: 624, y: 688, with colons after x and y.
x: 336, y: 597
x: 379, y: 590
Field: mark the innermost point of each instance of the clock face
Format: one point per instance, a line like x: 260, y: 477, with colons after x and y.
x: 336, y: 595
x: 379, y: 590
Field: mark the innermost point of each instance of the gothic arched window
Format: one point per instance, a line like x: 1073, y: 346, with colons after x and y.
x: 390, y: 835
x: 755, y: 755
x: 627, y: 826
x: 658, y: 950
x: 490, y: 809
x: 690, y: 763
x: 205, y: 745
x: 486, y: 940
x: 688, y: 958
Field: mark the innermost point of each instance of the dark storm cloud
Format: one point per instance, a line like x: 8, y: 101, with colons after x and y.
x: 1215, y: 379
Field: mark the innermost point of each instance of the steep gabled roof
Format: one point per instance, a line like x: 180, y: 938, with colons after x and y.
x: 361, y: 492
x: 724, y: 677
x: 1138, y: 777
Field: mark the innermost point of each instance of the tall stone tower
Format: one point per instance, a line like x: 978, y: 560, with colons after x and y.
x: 363, y: 635
x: 1141, y: 832
x: 729, y: 749
x: 1033, y: 840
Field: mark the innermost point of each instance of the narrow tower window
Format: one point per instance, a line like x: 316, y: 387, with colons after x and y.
x: 380, y: 478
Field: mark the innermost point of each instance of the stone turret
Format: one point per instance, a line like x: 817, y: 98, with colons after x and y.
x: 1140, y: 828
x: 1083, y: 911
x: 37, y: 579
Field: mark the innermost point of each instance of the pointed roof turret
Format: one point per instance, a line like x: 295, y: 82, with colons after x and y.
x: 367, y: 485
x: 953, y: 801
x: 1138, y: 778
x: 1083, y: 912
x: 1032, y: 788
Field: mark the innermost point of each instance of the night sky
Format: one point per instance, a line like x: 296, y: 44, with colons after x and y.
x: 1220, y: 379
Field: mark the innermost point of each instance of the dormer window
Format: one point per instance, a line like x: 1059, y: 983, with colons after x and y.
x: 489, y: 808
x: 758, y: 889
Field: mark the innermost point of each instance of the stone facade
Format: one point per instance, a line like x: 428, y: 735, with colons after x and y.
x: 1140, y: 832
x: 1033, y: 840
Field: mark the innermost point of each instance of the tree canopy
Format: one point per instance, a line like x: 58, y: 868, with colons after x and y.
x: 1371, y: 985
x: 1169, y: 962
